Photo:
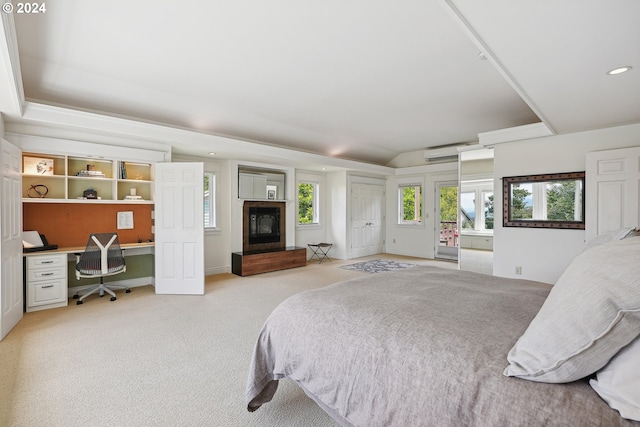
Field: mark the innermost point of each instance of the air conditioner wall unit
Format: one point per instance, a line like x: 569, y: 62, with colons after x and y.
x: 441, y: 153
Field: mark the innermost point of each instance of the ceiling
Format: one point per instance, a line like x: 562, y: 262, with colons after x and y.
x: 360, y: 80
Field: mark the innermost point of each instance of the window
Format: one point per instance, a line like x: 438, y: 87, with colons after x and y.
x: 476, y: 210
x: 209, y: 200
x: 308, y: 203
x: 487, y: 200
x: 476, y: 205
x: 410, y: 204
x: 468, y: 210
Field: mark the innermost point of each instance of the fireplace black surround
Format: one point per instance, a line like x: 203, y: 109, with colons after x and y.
x: 263, y: 226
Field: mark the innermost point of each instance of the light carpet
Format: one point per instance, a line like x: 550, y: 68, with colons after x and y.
x: 156, y: 360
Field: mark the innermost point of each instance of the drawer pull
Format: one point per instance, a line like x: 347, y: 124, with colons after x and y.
x: 47, y: 274
x: 48, y: 286
x: 46, y: 262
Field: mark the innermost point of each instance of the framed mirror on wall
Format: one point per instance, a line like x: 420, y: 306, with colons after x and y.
x: 544, y: 201
x: 475, y: 218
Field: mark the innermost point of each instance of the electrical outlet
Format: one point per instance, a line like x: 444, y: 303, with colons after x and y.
x: 394, y: 240
x: 519, y: 270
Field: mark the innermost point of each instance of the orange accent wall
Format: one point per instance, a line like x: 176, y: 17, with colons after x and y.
x: 70, y: 224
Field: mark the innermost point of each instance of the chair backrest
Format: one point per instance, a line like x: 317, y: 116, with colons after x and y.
x: 103, y: 255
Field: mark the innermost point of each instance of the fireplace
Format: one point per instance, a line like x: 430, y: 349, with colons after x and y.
x: 263, y: 241
x: 263, y: 226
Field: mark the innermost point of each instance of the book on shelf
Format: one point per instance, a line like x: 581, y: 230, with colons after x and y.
x: 91, y: 174
x: 123, y: 170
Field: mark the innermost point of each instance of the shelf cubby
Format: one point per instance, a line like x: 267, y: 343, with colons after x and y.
x: 50, y: 178
x: 79, y: 165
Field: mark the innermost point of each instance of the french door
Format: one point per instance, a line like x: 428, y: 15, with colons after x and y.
x: 446, y: 221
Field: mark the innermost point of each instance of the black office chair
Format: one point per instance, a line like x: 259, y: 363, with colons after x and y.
x: 102, y: 257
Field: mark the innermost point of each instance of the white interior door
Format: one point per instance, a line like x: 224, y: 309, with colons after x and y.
x: 11, y: 290
x: 179, y: 228
x: 612, y: 190
x: 367, y: 214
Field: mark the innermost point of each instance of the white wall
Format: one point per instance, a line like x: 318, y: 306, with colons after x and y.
x: 415, y: 240
x: 404, y: 160
x: 543, y: 254
x: 337, y: 209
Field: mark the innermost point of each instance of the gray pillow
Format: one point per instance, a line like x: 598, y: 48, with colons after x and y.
x: 618, y: 383
x: 633, y: 233
x: 609, y: 236
x: 590, y: 314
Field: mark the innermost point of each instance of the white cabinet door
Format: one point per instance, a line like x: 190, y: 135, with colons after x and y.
x: 245, y: 186
x: 11, y: 293
x: 612, y: 190
x: 260, y: 187
x: 252, y: 186
x: 179, y: 228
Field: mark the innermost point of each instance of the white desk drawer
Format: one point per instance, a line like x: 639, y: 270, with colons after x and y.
x: 43, y: 261
x: 47, y: 292
x: 47, y: 274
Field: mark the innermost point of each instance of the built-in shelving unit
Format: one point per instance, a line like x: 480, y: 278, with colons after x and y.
x: 61, y: 178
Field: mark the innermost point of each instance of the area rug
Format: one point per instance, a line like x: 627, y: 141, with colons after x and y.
x: 377, y: 266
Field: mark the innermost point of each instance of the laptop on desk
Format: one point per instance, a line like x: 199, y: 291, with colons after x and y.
x: 32, y: 241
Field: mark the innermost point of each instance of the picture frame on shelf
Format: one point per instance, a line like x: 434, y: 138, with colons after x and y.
x: 271, y: 192
x: 38, y: 166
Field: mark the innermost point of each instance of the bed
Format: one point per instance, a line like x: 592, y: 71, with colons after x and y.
x: 430, y: 346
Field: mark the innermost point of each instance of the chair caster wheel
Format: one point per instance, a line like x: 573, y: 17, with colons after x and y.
x: 79, y: 302
x: 76, y: 296
x: 127, y: 291
x: 113, y: 298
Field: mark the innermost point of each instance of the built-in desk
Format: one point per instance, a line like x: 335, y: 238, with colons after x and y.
x: 143, y: 247
x: 47, y: 274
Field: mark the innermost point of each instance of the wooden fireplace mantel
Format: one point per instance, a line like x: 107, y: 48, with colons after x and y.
x: 255, y: 262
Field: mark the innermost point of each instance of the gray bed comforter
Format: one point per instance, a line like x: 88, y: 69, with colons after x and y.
x: 424, y: 346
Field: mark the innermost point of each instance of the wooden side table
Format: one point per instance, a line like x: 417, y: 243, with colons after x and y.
x: 320, y: 251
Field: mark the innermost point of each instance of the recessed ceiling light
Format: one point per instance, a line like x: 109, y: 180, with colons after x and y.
x: 211, y: 153
x: 619, y: 70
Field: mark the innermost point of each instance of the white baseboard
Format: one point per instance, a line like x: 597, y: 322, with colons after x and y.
x: 217, y: 270
x: 411, y: 254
